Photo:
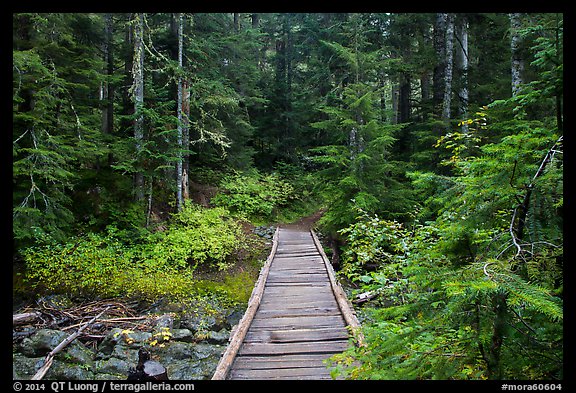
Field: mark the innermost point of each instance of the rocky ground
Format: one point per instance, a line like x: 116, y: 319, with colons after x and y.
x: 188, y: 343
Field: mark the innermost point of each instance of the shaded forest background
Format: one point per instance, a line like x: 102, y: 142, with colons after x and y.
x: 144, y: 143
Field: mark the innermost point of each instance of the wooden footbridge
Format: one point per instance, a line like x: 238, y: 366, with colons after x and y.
x: 297, y: 316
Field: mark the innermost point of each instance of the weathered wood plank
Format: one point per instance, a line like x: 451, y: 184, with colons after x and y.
x: 299, y: 267
x: 296, y: 335
x: 283, y: 373
x: 288, y: 278
x: 317, y: 284
x: 280, y: 361
x: 312, y: 290
x: 279, y: 301
x: 266, y: 305
x: 299, y: 273
x: 300, y: 312
x: 327, y: 347
x: 298, y: 322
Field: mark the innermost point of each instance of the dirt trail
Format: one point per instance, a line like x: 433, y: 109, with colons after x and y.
x: 305, y: 223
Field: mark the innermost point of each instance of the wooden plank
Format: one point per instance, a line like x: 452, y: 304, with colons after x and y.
x: 299, y: 267
x: 266, y: 305
x: 304, y: 246
x: 296, y: 254
x: 292, y: 290
x: 300, y: 312
x: 298, y: 322
x: 322, y: 277
x: 299, y: 258
x: 288, y: 278
x: 280, y: 361
x: 290, y: 263
x: 299, y: 273
x: 317, y: 284
x: 281, y: 301
x: 286, y: 298
x: 326, y: 347
x: 296, y: 335
x: 283, y: 373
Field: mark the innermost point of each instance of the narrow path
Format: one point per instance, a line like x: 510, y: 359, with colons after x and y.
x: 298, y: 321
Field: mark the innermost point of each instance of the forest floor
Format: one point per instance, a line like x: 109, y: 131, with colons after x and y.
x: 306, y: 223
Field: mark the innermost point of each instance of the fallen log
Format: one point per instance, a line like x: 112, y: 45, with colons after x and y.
x: 50, y: 357
x: 364, y: 297
x: 24, y: 318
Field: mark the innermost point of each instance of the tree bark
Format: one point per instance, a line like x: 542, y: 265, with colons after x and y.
x: 255, y: 20
x: 462, y: 62
x: 24, y: 318
x: 439, y: 77
x: 395, y: 98
x: 404, y: 98
x: 236, y: 22
x: 179, y: 163
x: 447, y: 100
x: 186, y: 138
x: 108, y: 109
x: 499, y: 306
x: 138, y: 98
x: 517, y: 66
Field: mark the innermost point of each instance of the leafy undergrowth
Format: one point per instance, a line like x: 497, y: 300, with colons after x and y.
x: 200, y: 252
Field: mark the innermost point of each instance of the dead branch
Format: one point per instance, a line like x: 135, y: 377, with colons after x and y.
x: 50, y: 357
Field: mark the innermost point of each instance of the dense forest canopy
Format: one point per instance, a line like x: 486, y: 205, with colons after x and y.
x: 432, y: 142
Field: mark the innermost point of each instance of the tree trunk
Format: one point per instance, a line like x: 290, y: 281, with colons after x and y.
x: 395, y: 95
x: 255, y: 20
x: 462, y: 61
x: 138, y: 98
x: 424, y: 42
x: 108, y: 109
x: 381, y: 85
x: 499, y: 306
x: 404, y: 98
x: 559, y: 92
x: 447, y: 101
x: 439, y: 77
x: 179, y: 163
x: 517, y: 66
x: 186, y: 138
x: 289, y: 76
x: 236, y: 22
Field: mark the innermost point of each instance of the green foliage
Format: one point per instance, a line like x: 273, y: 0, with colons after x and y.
x: 163, y: 264
x: 254, y: 196
x: 90, y: 265
x: 55, y: 126
x: 196, y: 236
x: 369, y: 240
x: 436, y: 322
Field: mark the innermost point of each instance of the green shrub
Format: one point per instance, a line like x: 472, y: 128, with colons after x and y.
x: 89, y: 265
x: 254, y: 196
x: 98, y: 265
x: 196, y: 236
x: 370, y: 240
